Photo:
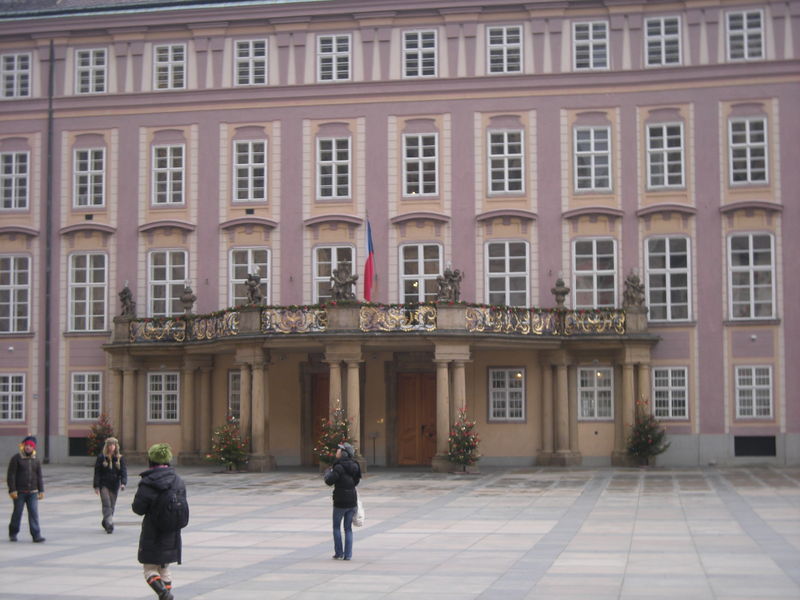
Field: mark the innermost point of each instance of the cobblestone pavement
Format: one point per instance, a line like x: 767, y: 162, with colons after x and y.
x: 502, y: 534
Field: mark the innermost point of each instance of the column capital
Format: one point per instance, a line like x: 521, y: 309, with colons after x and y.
x: 451, y: 351
x: 343, y: 352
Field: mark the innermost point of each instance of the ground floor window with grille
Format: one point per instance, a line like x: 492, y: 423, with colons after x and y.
x: 754, y: 392
x: 506, y: 395
x: 670, y: 392
x: 87, y: 392
x: 12, y: 397
x: 235, y: 393
x: 596, y: 393
x: 163, y: 392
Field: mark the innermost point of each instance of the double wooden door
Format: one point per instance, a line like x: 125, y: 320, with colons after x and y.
x: 416, y: 418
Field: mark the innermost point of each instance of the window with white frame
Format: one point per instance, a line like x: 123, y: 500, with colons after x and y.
x: 419, y: 54
x: 86, y: 396
x: 754, y: 392
x: 235, y: 393
x: 420, y: 265
x: 333, y: 57
x: 168, y: 163
x: 163, y: 394
x: 506, y: 395
x: 250, y: 62
x: 504, y: 48
x: 668, y: 278
x: 595, y: 393
x: 89, y: 178
x: 745, y: 35
x: 420, y: 164
x: 167, y: 276
x: 326, y: 260
x: 169, y: 67
x: 665, y: 155
x: 14, y: 180
x: 592, y: 159
x: 590, y: 45
x: 243, y: 262
x: 12, y: 397
x: 333, y: 168
x: 507, y: 273
x: 15, y: 70
x: 670, y: 392
x: 15, y: 293
x: 88, y: 277
x: 594, y: 273
x: 751, y: 276
x: 250, y: 168
x: 90, y: 71
x: 663, y: 41
x: 505, y: 162
x: 748, y: 150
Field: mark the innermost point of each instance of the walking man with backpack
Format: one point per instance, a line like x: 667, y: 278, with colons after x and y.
x: 161, y: 498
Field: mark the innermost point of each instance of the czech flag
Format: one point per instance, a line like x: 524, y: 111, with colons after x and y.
x: 369, y: 266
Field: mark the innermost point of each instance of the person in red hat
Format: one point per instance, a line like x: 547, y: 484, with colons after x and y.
x: 25, y: 488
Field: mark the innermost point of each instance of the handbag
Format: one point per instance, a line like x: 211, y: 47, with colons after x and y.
x: 358, y: 519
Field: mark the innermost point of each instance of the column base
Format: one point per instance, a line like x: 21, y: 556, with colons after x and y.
x: 565, y: 458
x: 544, y: 458
x: 259, y: 463
x: 191, y: 459
x: 441, y: 464
x: 136, y: 458
x: 623, y: 459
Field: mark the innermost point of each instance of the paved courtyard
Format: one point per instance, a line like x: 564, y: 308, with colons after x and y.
x: 504, y: 534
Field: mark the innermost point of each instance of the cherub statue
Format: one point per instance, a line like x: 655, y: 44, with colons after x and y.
x: 342, y: 283
x: 188, y: 299
x: 634, y: 291
x: 128, y: 305
x: 449, y: 285
x: 253, y: 284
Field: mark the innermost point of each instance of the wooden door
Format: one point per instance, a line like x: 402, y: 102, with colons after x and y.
x: 320, y: 394
x: 416, y: 418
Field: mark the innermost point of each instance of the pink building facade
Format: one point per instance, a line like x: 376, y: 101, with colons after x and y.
x: 519, y: 142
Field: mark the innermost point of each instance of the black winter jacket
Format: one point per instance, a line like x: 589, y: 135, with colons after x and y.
x: 24, y: 474
x: 107, y: 475
x: 344, y: 475
x: 156, y: 547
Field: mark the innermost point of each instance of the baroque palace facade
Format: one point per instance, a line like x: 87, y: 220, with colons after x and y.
x: 553, y: 152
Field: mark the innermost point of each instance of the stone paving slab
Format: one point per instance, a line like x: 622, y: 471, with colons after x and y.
x: 502, y: 534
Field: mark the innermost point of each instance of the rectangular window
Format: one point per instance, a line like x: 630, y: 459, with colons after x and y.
x: 326, y: 259
x: 506, y: 395
x: 595, y: 273
x: 752, y: 281
x: 15, y: 70
x: 15, y: 293
x: 665, y: 155
x: 748, y: 150
x: 668, y: 278
x: 333, y: 168
x: 507, y: 273
x: 87, y: 393
x: 505, y: 162
x: 14, y: 180
x: 169, y: 67
x: 12, y: 397
x: 167, y: 278
x: 250, y: 167
x: 592, y: 159
x: 87, y: 292
x: 753, y: 392
x: 244, y: 262
x: 163, y: 394
x: 663, y: 41
x: 745, y: 35
x: 419, y: 54
x: 670, y: 392
x: 420, y: 164
x: 235, y: 393
x: 89, y: 178
x: 595, y: 393
x: 421, y: 264
x: 590, y: 45
x: 504, y: 45
x: 333, y: 57
x: 167, y: 175
x: 251, y: 62
x: 90, y: 71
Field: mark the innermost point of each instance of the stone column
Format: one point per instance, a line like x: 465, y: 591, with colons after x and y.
x: 642, y: 402
x: 353, y: 404
x: 440, y: 460
x: 626, y: 419
x: 129, y: 410
x: 572, y: 402
x: 335, y: 383
x: 547, y: 414
x: 562, y: 409
x: 257, y: 426
x: 245, y: 402
x: 115, y: 403
x: 188, y: 433
x: 459, y: 386
x: 204, y: 431
x: 140, y: 402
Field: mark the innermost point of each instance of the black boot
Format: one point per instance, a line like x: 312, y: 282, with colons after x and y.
x: 159, y: 588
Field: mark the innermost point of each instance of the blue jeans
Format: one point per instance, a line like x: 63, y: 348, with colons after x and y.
x: 32, y: 501
x: 338, y: 515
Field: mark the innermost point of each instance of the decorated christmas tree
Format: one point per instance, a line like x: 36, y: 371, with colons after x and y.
x: 335, y: 431
x: 228, y: 447
x: 647, y: 437
x: 99, y: 432
x: 463, y: 442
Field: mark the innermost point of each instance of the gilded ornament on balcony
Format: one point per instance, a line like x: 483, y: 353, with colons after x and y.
x: 166, y: 330
x: 210, y: 328
x: 397, y: 318
x: 294, y: 320
x: 507, y: 319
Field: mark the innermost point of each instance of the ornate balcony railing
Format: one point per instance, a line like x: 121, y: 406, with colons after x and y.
x: 397, y: 318
x: 193, y: 328
x: 293, y: 320
x: 525, y: 321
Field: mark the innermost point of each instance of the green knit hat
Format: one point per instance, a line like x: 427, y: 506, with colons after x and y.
x: 160, y: 454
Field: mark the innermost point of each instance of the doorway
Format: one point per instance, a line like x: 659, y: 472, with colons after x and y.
x: 416, y: 418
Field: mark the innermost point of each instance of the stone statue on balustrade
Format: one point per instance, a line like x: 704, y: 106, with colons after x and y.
x: 633, y: 295
x: 188, y: 299
x: 449, y: 285
x: 128, y: 305
x: 342, y: 283
x: 253, y: 284
x: 560, y: 291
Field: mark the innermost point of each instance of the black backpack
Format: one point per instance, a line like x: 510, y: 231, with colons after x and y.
x: 171, y: 510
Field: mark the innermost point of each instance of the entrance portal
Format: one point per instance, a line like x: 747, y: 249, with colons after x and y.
x: 416, y: 418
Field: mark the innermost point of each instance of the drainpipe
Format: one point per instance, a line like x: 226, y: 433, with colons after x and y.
x: 48, y: 254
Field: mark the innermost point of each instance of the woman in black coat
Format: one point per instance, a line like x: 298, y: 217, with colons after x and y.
x: 344, y: 474
x: 110, y: 478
